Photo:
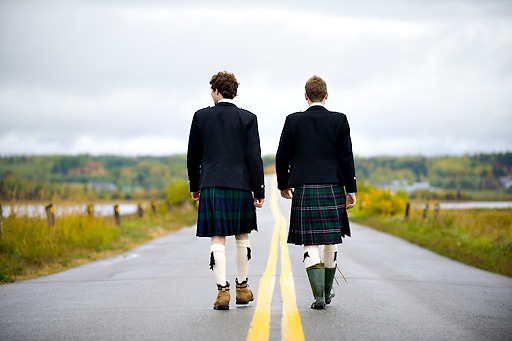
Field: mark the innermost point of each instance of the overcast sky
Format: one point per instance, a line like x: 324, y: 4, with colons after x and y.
x: 125, y: 77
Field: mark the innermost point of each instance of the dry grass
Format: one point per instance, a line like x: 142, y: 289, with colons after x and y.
x: 30, y: 248
x: 477, y: 237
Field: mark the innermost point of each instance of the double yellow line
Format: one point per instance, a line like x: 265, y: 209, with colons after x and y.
x: 291, y: 327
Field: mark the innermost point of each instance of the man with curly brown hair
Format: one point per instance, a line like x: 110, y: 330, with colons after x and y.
x: 225, y: 172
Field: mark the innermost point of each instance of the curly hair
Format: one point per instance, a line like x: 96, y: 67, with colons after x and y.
x: 316, y: 89
x: 226, y: 83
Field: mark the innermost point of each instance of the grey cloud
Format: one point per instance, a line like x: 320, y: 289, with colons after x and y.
x: 123, y: 70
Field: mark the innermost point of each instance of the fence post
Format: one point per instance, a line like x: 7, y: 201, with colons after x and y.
x: 90, y: 210
x: 425, y: 211
x: 169, y: 207
x: 153, y: 206
x: 436, y: 210
x: 186, y: 204
x: 117, y: 217
x: 1, y: 222
x: 407, y: 208
x: 50, y: 215
x: 140, y: 211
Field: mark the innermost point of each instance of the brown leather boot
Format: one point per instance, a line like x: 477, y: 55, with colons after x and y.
x: 223, y: 297
x: 243, y: 293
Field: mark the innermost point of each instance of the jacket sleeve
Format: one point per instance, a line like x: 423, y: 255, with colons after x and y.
x: 254, y: 161
x: 346, y: 159
x: 283, y: 156
x: 194, y: 156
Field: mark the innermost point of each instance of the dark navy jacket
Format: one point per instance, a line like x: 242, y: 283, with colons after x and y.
x: 224, y: 150
x: 315, y: 148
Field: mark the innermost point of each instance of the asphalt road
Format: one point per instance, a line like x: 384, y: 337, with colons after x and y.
x: 164, y: 290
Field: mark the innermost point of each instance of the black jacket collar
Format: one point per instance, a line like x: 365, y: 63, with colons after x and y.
x: 316, y: 107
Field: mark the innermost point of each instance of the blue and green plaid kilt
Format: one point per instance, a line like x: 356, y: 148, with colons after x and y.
x: 318, y: 216
x: 225, y: 212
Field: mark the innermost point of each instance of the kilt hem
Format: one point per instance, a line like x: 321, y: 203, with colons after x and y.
x: 318, y: 215
x: 225, y: 212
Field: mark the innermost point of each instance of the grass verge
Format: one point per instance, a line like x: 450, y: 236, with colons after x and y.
x: 30, y: 248
x: 477, y: 237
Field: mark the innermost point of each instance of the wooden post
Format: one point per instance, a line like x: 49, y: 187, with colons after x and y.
x: 90, y: 210
x: 186, y: 204
x: 425, y: 211
x: 169, y: 207
x: 407, y: 208
x: 117, y: 217
x: 436, y: 211
x: 140, y: 211
x: 153, y: 206
x: 1, y: 222
x: 50, y: 215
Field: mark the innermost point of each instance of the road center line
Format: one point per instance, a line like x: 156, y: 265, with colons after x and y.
x: 291, y: 327
x: 260, y: 325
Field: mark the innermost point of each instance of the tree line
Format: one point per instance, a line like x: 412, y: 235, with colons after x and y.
x: 70, y: 177
x: 73, y: 177
x: 467, y: 172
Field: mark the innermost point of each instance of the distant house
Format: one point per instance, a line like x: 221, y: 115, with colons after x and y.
x: 418, y: 186
x: 102, y: 186
x: 403, y: 185
x: 506, y: 181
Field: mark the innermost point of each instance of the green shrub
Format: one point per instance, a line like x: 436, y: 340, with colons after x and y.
x: 374, y: 201
x: 178, y: 192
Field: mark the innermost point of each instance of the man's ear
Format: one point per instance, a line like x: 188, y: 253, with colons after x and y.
x: 306, y: 96
x: 326, y: 95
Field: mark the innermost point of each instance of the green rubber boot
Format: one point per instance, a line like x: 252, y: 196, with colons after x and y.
x: 316, y: 275
x: 329, y: 278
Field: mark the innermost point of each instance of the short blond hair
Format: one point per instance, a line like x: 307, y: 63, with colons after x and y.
x: 316, y: 89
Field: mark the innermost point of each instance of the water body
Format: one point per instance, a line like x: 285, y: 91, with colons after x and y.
x: 127, y: 209
x: 475, y: 204
x: 32, y: 210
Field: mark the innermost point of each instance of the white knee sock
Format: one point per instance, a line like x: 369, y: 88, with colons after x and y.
x: 243, y: 254
x: 329, y: 256
x: 218, y: 262
x: 311, y: 255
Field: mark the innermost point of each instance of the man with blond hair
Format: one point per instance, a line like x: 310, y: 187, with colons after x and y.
x: 315, y: 168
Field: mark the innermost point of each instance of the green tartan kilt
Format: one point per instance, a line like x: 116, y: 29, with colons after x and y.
x: 318, y: 215
x: 225, y: 212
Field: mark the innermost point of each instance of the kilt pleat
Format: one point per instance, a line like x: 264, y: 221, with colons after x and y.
x: 318, y: 215
x: 225, y: 212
